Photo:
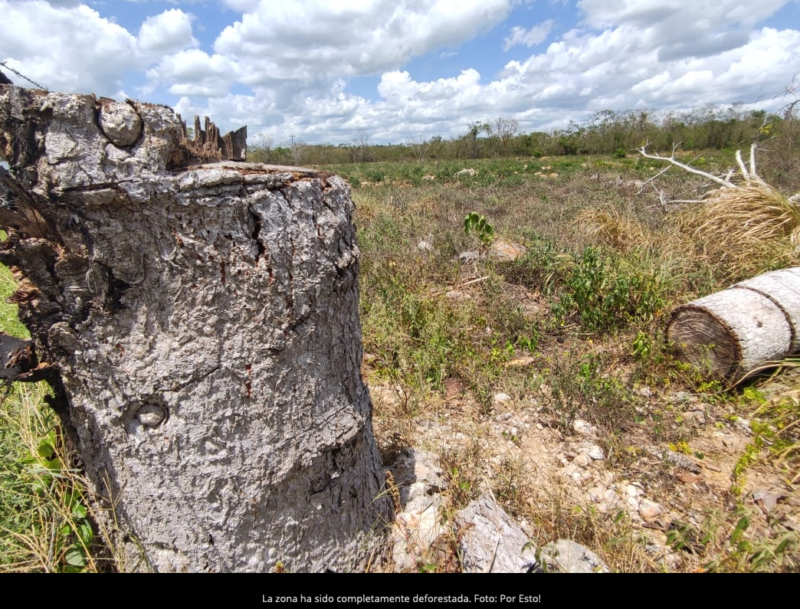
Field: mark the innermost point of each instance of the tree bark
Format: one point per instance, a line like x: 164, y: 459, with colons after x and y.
x: 731, y: 333
x: 204, y: 321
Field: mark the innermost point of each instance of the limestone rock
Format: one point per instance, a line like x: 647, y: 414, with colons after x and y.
x: 566, y: 556
x: 491, y: 542
x: 505, y: 251
x: 419, y: 478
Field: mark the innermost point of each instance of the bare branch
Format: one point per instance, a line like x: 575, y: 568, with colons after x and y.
x: 658, y: 175
x: 713, y: 178
x: 753, y: 173
x: 742, y: 166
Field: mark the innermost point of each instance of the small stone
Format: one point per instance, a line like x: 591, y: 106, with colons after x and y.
x: 696, y: 416
x: 584, y: 428
x: 570, y: 470
x: 151, y: 415
x: 491, y: 542
x: 767, y: 500
x: 596, y: 453
x: 120, y: 123
x: 521, y: 362
x: 649, y: 510
x: 505, y: 251
x: 633, y: 491
x: 744, y: 425
x: 501, y: 398
x: 567, y: 556
x: 469, y: 256
x: 646, y: 392
x: 582, y: 460
x: 457, y: 295
x: 424, y: 246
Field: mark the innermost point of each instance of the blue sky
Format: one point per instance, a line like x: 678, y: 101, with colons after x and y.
x: 407, y: 70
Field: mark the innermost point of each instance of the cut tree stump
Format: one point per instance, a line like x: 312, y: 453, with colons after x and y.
x: 731, y: 333
x: 204, y: 322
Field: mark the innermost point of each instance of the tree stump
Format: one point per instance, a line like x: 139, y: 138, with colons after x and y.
x: 204, y: 322
x: 731, y: 333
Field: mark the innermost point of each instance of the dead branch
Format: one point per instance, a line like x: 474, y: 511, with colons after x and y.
x: 674, y: 161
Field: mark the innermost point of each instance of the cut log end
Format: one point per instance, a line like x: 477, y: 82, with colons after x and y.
x: 705, y: 341
x: 744, y: 328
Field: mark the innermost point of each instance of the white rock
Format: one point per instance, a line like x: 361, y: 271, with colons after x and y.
x: 649, y: 510
x: 501, y: 398
x: 633, y: 491
x: 582, y: 460
x: 566, y: 556
x: 596, y: 453
x: 120, y: 122
x: 584, y: 428
x: 491, y: 542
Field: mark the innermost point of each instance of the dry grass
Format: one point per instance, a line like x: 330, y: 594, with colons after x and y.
x: 614, y: 228
x: 745, y: 230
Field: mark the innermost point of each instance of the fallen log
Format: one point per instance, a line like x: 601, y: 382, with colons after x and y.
x: 203, y: 319
x: 731, y: 333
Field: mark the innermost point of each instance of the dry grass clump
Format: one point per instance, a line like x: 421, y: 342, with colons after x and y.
x: 744, y: 230
x: 613, y: 228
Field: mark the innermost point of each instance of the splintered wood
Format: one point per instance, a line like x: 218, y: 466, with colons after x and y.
x: 208, y: 145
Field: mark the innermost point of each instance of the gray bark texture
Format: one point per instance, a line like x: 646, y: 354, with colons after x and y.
x: 204, y: 321
x: 731, y: 333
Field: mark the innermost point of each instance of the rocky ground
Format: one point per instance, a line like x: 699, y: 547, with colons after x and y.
x: 518, y: 449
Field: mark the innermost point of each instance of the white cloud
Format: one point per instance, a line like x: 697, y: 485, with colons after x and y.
x: 682, y: 28
x: 529, y: 38
x: 312, y: 42
x: 297, y: 58
x: 194, y: 72
x: 67, y: 46
x: 165, y: 33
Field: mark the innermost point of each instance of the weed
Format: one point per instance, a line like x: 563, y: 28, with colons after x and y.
x: 478, y: 224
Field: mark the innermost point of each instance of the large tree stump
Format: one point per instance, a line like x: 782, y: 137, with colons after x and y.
x: 731, y: 333
x: 204, y: 321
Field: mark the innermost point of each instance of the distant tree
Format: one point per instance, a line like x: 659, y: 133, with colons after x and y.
x: 504, y: 129
x: 359, y: 149
x: 260, y: 150
x: 298, y: 149
x: 420, y: 149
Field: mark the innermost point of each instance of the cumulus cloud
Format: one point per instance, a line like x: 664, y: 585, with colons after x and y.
x: 68, y: 46
x: 312, y: 42
x: 165, y: 33
x: 297, y: 58
x: 680, y: 28
x: 529, y: 38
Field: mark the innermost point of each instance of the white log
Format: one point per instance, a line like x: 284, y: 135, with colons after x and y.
x: 730, y: 333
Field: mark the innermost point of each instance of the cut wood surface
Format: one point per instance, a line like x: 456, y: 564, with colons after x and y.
x: 730, y: 333
x: 204, y: 321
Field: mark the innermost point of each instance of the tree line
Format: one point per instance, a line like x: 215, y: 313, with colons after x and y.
x: 606, y: 132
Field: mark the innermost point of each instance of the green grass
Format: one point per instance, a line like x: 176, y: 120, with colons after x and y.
x: 45, y: 525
